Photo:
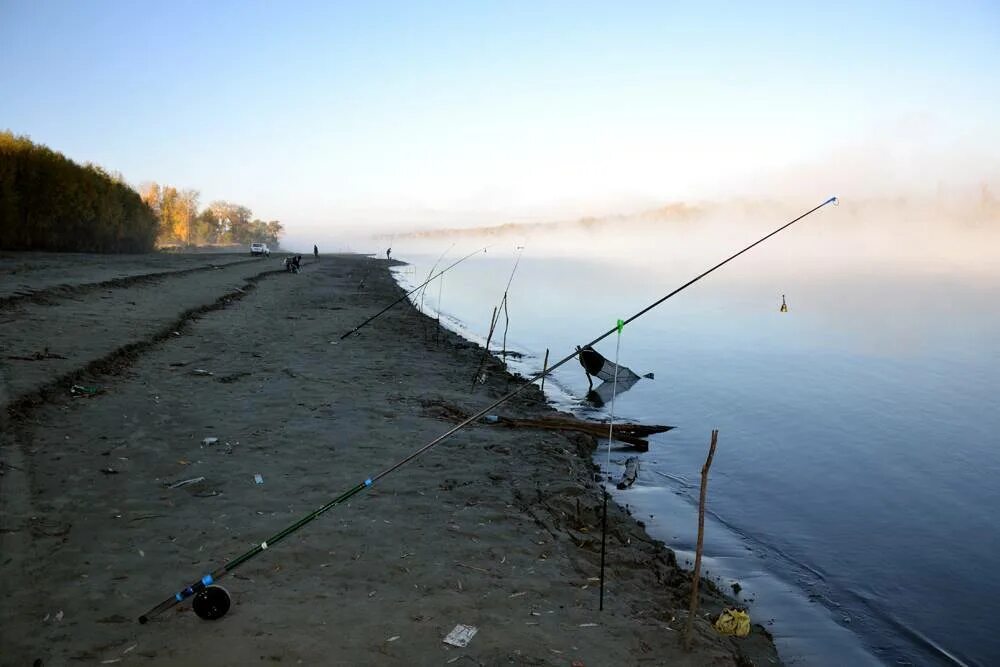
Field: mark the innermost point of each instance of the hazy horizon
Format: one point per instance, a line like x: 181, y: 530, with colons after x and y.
x: 344, y: 121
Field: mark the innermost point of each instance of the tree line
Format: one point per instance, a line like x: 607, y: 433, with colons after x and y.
x: 220, y: 223
x: 49, y: 202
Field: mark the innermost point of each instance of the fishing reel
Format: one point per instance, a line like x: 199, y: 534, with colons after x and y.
x: 211, y: 603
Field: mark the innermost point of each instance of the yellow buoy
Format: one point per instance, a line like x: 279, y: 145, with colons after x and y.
x: 784, y: 306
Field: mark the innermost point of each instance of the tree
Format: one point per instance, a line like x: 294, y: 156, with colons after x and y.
x: 48, y: 202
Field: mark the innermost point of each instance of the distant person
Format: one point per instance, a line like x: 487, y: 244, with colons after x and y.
x: 387, y: 253
x: 316, y: 252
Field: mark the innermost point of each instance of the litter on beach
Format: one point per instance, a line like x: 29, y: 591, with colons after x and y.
x: 185, y: 482
x: 258, y: 479
x: 205, y: 442
x: 461, y: 635
x: 201, y: 371
x: 733, y: 622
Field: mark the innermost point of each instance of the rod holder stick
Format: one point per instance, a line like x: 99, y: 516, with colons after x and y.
x: 696, y: 575
x: 604, y: 542
x: 545, y: 368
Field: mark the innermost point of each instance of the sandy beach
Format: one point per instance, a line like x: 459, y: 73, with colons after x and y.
x: 495, y: 528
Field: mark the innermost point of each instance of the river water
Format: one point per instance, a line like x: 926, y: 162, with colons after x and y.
x: 854, y: 493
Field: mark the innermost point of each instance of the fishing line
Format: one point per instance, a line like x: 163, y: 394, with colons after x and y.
x: 441, y: 273
x: 200, y: 586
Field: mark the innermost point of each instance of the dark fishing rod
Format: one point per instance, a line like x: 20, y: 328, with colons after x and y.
x: 440, y: 273
x: 207, y: 594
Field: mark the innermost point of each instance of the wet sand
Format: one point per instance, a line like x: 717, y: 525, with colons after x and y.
x: 495, y: 528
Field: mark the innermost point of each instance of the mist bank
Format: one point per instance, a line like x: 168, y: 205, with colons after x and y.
x: 954, y: 229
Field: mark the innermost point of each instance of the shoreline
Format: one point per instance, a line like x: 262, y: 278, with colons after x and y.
x: 803, y: 630
x: 515, y: 555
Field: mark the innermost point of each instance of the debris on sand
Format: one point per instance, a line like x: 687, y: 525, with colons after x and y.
x: 461, y: 635
x: 631, y: 473
x: 185, y: 482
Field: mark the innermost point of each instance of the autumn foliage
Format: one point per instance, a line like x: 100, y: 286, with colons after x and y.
x: 221, y: 223
x: 49, y: 202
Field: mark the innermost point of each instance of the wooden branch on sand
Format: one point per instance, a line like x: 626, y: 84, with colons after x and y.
x: 632, y: 434
x: 696, y: 576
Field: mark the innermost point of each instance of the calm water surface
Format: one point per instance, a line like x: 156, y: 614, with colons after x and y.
x: 855, y: 489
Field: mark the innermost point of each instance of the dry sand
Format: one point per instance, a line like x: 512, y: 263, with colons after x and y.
x: 483, y: 530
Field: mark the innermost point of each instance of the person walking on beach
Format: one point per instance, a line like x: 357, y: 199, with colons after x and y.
x: 387, y: 253
x: 316, y: 252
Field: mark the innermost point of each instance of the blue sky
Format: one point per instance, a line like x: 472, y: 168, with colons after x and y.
x: 334, y: 113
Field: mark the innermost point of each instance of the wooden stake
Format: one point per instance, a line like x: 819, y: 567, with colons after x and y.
x: 696, y: 576
x: 486, y: 352
x: 604, y: 543
x: 545, y: 367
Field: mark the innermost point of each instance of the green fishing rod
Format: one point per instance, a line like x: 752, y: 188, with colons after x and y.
x: 212, y: 602
x: 440, y: 273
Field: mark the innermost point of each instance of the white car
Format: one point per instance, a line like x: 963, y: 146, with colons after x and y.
x: 260, y: 249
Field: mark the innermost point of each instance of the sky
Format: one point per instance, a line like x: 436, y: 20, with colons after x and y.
x: 334, y: 116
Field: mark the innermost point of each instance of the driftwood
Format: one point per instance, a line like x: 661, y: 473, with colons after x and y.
x: 632, y: 434
x: 631, y: 473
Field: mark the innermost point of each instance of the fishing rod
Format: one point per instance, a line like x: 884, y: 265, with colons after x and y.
x: 211, y: 601
x: 494, y: 320
x: 429, y: 273
x: 423, y: 292
x: 506, y: 314
x: 440, y: 273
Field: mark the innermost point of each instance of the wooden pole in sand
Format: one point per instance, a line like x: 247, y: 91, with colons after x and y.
x: 545, y: 368
x: 696, y: 576
x: 604, y: 542
x: 486, y: 352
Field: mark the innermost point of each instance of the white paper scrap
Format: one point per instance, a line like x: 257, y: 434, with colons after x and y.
x: 461, y: 635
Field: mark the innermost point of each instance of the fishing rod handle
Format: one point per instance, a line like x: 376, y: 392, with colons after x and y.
x: 183, y: 594
x: 207, y: 580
